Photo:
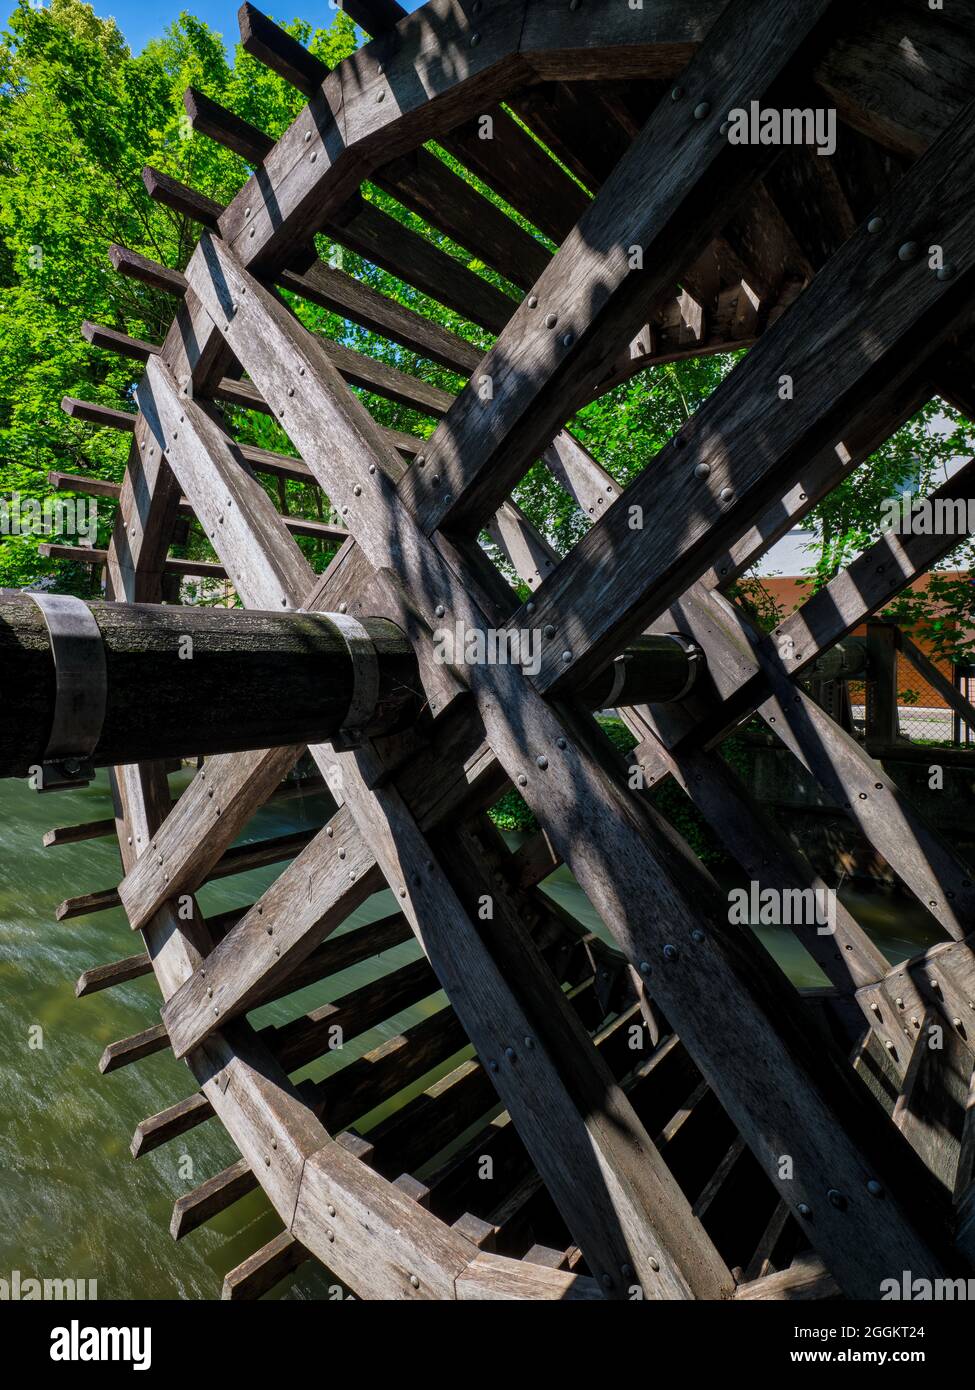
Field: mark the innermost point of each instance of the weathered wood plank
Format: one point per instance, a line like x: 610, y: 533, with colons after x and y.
x: 266, y: 1267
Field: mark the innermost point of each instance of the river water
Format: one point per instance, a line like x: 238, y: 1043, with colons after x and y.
x: 73, y: 1202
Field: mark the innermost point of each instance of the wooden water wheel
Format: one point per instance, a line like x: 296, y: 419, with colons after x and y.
x: 666, y: 1118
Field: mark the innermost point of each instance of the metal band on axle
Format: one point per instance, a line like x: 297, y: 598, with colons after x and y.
x: 365, y: 673
x: 81, y: 682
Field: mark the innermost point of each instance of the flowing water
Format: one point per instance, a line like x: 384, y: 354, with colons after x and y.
x: 73, y: 1202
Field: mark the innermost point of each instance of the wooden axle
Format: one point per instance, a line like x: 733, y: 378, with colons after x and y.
x: 184, y: 681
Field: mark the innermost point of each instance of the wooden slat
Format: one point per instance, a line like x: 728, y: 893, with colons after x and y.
x: 261, y: 1271
x: 116, y: 972
x: 211, y: 1197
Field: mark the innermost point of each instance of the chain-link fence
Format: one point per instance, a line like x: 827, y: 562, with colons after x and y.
x: 923, y: 715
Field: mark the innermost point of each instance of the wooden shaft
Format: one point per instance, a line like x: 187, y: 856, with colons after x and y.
x: 182, y: 681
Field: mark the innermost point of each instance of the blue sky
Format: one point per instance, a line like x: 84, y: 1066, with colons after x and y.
x: 140, y: 20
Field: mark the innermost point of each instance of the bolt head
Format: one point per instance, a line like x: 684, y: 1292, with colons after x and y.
x: 947, y: 272
x: 697, y: 935
x: 522, y: 780
x: 677, y: 93
x: 568, y: 340
x: 836, y: 1199
x: 548, y: 630
x: 439, y: 610
x: 654, y: 1263
x: 875, y: 1188
x: 670, y: 952
x: 645, y: 967
x: 875, y: 225
x: 551, y: 320
x: 414, y: 1281
x: 804, y: 1209
x: 533, y: 301
x: 702, y: 109
x: 541, y: 761
x: 727, y: 494
x: 908, y: 252
x: 567, y: 657
x: 702, y: 470
x: 561, y: 743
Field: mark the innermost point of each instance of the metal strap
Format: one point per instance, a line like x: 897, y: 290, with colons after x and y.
x: 80, y: 674
x: 693, y: 662
x: 365, y: 672
x: 619, y: 676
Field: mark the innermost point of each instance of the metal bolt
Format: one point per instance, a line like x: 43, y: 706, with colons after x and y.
x: 357, y: 491
x: 551, y: 320
x: 522, y: 780
x: 702, y: 470
x: 529, y: 1043
x: 836, y: 1199
x: 908, y: 252
x: 439, y: 610
x: 475, y: 40
x: 670, y: 952
x: 946, y: 272
x: 697, y: 935
x: 702, y: 109
x: 727, y: 494
x: 561, y: 743
x: 654, y: 1263
x: 331, y: 1210
x: 492, y: 1065
x: 533, y: 301
x: 899, y: 1002
x: 677, y: 93
x: 875, y: 1009
x: 509, y: 1052
x: 956, y: 1023
x: 435, y: 479
x: 541, y: 761
x: 803, y: 1209
x: 548, y: 630
x: 645, y: 967
x: 568, y: 340
x: 414, y: 1281
x: 875, y: 225
x: 889, y: 1045
x: 380, y: 96
x: 330, y: 1234
x: 566, y: 656
x: 875, y: 1188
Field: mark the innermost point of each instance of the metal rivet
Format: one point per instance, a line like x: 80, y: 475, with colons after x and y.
x: 492, y: 1065
x: 677, y: 93
x: 541, y: 761
x: 875, y: 1188
x: 836, y: 1199
x: 475, y: 40
x: 899, y: 1002
x: 670, y: 952
x: 889, y: 1045
x: 568, y: 340
x: 414, y: 1281
x: 727, y: 494
x: 402, y: 892
x: 645, y: 968
x: 435, y: 479
x: 561, y: 743
x: 908, y: 252
x: 439, y: 610
x: 566, y: 656
x: 509, y: 1052
x: 697, y: 935
x: 529, y: 1043
x: 372, y: 468
x: 724, y: 127
x: 551, y: 320
x: 357, y: 491
x: 533, y: 301
x: 702, y: 109
x: 529, y: 608
x: 330, y: 1234
x: 702, y: 470
x: 803, y: 1209
x: 522, y: 780
x: 267, y: 1159
x: 654, y: 1264
x: 875, y: 225
x: 548, y: 630
x: 875, y: 1009
x: 331, y: 1210
x: 381, y: 95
